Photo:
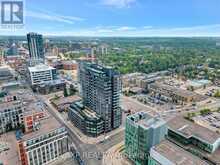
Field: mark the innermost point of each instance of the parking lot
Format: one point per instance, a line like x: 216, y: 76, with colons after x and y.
x: 158, y: 104
x: 211, y: 121
x: 208, y: 91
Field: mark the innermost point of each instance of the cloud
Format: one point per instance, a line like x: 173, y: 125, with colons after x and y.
x: 119, y: 3
x: 53, y: 17
x: 148, y: 27
x: 212, y: 30
x: 125, y: 28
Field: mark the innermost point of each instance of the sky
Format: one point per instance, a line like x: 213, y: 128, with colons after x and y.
x: 144, y: 18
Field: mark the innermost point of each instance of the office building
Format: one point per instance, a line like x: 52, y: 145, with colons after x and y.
x: 167, y: 153
x: 87, y: 121
x: 45, y: 144
x: 143, y: 132
x: 11, y: 115
x: 193, y: 135
x: 186, y: 143
x: 41, y: 73
x: 36, y: 48
x: 100, y: 88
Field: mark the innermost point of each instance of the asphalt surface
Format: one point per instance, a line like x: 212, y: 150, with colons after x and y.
x: 91, y: 154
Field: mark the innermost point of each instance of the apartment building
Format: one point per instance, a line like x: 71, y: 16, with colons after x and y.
x: 100, y: 88
x: 45, y: 144
x: 11, y: 115
x: 36, y: 48
x: 89, y: 122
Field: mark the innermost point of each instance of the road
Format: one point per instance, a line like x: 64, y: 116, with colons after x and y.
x: 90, y: 153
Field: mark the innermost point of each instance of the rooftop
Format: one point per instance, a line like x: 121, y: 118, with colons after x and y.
x: 5, y: 73
x: 69, y: 62
x: 99, y: 69
x: 177, y: 155
x: 182, y: 92
x: 8, y: 105
x: 40, y: 67
x: 189, y: 129
x: 46, y: 125
x: 198, y: 83
x: 53, y: 82
x: 145, y: 120
x: 178, y: 91
x: 84, y: 111
x: 8, y: 149
x: 66, y: 100
x: 34, y: 107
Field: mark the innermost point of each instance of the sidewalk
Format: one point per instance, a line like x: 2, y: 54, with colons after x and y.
x: 81, y: 136
x: 65, y: 159
x: 115, y: 156
x: 92, y: 140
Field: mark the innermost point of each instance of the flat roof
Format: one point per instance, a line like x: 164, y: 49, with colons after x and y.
x: 34, y: 107
x: 10, y: 156
x: 177, y: 155
x: 40, y: 67
x: 199, y: 82
x: 47, y: 125
x: 84, y: 111
x: 66, y: 100
x: 69, y: 62
x: 7, y: 105
x: 146, y: 120
x: 182, y: 92
x: 26, y: 95
x: 90, y: 113
x: 189, y: 129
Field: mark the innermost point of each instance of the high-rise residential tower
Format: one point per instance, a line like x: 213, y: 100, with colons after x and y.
x: 100, y: 88
x: 36, y: 48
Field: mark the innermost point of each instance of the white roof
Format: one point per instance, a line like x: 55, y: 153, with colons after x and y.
x: 40, y: 67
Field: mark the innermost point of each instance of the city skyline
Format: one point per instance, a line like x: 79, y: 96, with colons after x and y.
x: 131, y: 18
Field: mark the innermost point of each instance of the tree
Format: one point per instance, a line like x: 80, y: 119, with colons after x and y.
x: 65, y: 93
x: 217, y: 94
x: 205, y: 112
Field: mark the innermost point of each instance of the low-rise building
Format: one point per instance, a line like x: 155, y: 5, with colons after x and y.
x: 70, y: 65
x: 62, y: 104
x: 45, y: 144
x: 34, y: 112
x: 142, y: 80
x: 51, y: 86
x: 198, y: 84
x: 88, y: 121
x: 174, y: 94
x: 11, y: 115
x: 143, y: 132
x: 167, y: 153
x: 9, y: 149
x: 5, y: 74
x: 192, y: 134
